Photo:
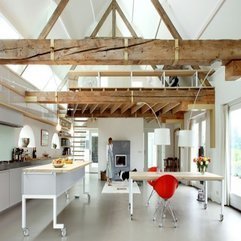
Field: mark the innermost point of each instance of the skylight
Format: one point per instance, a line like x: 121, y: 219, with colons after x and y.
x: 42, y: 77
x: 7, y: 31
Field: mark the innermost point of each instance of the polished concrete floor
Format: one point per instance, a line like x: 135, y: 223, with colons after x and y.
x: 106, y: 218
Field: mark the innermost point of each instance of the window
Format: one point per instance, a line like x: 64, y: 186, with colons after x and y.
x: 235, y: 150
x: 199, y: 128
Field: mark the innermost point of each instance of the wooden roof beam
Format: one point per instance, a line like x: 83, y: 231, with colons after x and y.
x: 233, y: 70
x: 118, y: 51
x: 162, y: 95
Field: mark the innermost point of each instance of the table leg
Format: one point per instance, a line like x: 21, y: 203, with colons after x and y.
x: 206, y: 194
x: 55, y: 225
x: 222, y: 201
x: 84, y: 191
x: 24, y: 223
x: 131, y: 197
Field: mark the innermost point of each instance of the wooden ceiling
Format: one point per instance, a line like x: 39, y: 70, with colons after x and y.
x: 167, y: 103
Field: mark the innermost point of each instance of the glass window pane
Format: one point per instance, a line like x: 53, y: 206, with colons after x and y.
x: 235, y: 143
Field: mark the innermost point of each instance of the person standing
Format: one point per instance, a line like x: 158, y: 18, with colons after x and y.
x: 110, y: 159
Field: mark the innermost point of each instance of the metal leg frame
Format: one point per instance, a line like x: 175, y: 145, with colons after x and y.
x: 222, y: 198
x: 206, y: 195
x: 55, y: 224
x: 131, y: 198
x: 222, y: 201
x: 165, y: 205
x: 84, y: 191
x: 148, y: 200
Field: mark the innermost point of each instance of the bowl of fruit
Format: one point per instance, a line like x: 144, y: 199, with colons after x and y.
x: 58, y: 163
x: 68, y: 161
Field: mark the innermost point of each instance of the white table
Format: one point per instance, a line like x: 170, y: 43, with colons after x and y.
x: 181, y: 176
x: 48, y: 182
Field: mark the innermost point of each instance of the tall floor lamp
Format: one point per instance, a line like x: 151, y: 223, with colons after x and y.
x: 161, y: 135
x: 186, y: 138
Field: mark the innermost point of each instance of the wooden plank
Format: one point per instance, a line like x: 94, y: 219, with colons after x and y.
x: 108, y: 51
x: 114, y: 108
x: 166, y: 19
x: 233, y: 70
x: 93, y: 108
x: 102, y: 20
x: 169, y: 107
x: 103, y: 108
x: 113, y: 19
x: 57, y: 12
x: 162, y: 95
x: 125, y: 20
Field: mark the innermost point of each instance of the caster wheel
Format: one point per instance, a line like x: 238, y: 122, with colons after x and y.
x: 160, y: 225
x: 221, y: 218
x: 63, y: 232
x: 25, y: 232
x: 205, y: 206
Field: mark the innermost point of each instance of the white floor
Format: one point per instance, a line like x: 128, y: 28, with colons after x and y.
x: 106, y: 218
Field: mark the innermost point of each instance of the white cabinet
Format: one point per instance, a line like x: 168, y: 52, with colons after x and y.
x: 15, y: 186
x: 4, y: 190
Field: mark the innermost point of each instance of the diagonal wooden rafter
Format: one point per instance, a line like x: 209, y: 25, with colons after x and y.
x: 101, y: 22
x: 174, y: 31
x: 113, y: 19
x: 166, y: 19
x: 125, y: 20
x: 104, y: 108
x: 114, y: 108
x: 52, y: 20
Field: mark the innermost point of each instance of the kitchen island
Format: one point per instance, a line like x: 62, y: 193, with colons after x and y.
x: 48, y: 182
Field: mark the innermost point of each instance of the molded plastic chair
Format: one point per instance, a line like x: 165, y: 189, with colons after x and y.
x: 165, y: 187
x: 151, y: 182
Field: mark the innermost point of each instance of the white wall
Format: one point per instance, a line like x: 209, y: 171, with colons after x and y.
x: 37, y: 126
x: 122, y: 129
x: 226, y: 92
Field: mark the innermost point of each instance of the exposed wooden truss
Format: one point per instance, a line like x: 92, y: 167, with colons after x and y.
x: 113, y: 7
x: 52, y: 20
x: 160, y: 10
x: 168, y: 103
x: 118, y: 51
x: 166, y: 19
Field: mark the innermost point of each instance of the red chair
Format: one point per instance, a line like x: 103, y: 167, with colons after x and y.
x: 151, y: 182
x: 165, y: 187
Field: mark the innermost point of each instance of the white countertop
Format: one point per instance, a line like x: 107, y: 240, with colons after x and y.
x: 179, y: 175
x: 51, y: 168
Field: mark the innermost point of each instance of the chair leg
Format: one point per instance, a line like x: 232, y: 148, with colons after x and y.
x: 148, y: 201
x: 165, y: 205
x: 162, y: 214
x: 156, y: 212
x: 172, y: 214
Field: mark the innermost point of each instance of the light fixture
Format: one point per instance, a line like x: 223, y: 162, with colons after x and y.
x: 161, y: 135
x: 71, y: 131
x: 58, y: 126
x: 186, y: 138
